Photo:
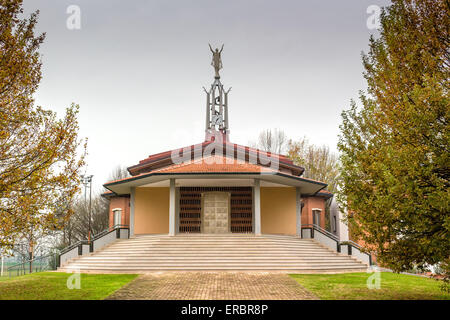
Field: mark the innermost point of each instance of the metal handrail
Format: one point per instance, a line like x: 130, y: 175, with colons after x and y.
x: 73, y: 246
x: 95, y: 237
x: 358, y: 246
x: 320, y: 229
x: 331, y: 235
x: 108, y: 230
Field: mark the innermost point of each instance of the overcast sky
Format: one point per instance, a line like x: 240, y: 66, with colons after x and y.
x: 136, y: 68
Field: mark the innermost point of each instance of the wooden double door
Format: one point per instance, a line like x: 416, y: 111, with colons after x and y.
x: 216, y: 210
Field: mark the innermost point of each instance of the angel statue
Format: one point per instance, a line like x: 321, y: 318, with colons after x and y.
x: 216, y: 60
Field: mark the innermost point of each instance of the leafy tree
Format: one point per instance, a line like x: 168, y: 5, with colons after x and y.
x: 395, y: 147
x: 319, y: 162
x: 39, y: 163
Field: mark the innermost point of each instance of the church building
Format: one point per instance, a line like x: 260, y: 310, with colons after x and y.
x: 216, y: 186
x: 216, y: 205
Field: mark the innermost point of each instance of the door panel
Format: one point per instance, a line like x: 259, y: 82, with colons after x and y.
x: 216, y: 207
x: 241, y: 220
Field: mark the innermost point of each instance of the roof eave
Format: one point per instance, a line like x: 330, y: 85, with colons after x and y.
x: 278, y: 177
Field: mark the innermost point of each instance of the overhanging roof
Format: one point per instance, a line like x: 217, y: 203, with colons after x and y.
x: 307, y: 186
x: 221, y: 148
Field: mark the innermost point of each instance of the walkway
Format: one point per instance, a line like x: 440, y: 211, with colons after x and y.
x: 213, y: 286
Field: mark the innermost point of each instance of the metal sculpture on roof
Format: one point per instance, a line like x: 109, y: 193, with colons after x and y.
x: 217, y: 101
x: 216, y: 60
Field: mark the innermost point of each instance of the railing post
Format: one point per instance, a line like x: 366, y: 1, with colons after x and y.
x: 57, y: 260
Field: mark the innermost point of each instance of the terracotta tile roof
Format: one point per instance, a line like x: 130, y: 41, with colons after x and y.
x: 109, y: 194
x: 324, y: 193
x: 215, y: 164
x: 163, y: 159
x: 128, y: 178
x: 165, y: 154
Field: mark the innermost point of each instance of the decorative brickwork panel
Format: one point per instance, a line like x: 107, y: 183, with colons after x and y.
x: 190, y: 210
x: 242, y: 210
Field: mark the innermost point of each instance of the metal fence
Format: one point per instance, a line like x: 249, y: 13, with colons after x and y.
x: 38, y: 264
x: 54, y: 260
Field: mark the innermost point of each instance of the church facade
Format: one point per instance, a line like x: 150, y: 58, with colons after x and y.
x: 216, y: 186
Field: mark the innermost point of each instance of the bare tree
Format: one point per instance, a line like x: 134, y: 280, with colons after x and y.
x: 77, y: 226
x: 271, y: 140
x: 119, y: 172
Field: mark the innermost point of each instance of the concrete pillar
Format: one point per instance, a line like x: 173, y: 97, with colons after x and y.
x: 298, y: 205
x: 226, y: 111
x: 132, y: 202
x: 221, y: 104
x: 213, y: 104
x: 177, y: 210
x: 208, y: 109
x: 257, y: 200
x: 172, y: 208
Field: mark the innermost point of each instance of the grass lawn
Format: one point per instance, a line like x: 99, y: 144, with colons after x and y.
x: 53, y: 286
x: 352, y: 286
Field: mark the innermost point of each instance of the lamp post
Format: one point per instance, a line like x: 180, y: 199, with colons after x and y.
x: 87, y: 180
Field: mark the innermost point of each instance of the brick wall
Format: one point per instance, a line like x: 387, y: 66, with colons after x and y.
x: 310, y: 204
x: 121, y: 203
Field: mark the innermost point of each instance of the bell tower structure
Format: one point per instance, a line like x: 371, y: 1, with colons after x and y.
x: 217, y: 121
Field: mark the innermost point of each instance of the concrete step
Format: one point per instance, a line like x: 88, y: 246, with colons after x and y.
x: 212, y: 256
x: 210, y: 246
x: 234, y: 242
x: 215, y: 252
x: 205, y: 258
x: 214, y: 267
x: 212, y: 251
x: 217, y: 264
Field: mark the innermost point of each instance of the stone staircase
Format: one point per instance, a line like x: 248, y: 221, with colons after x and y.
x: 149, y: 253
